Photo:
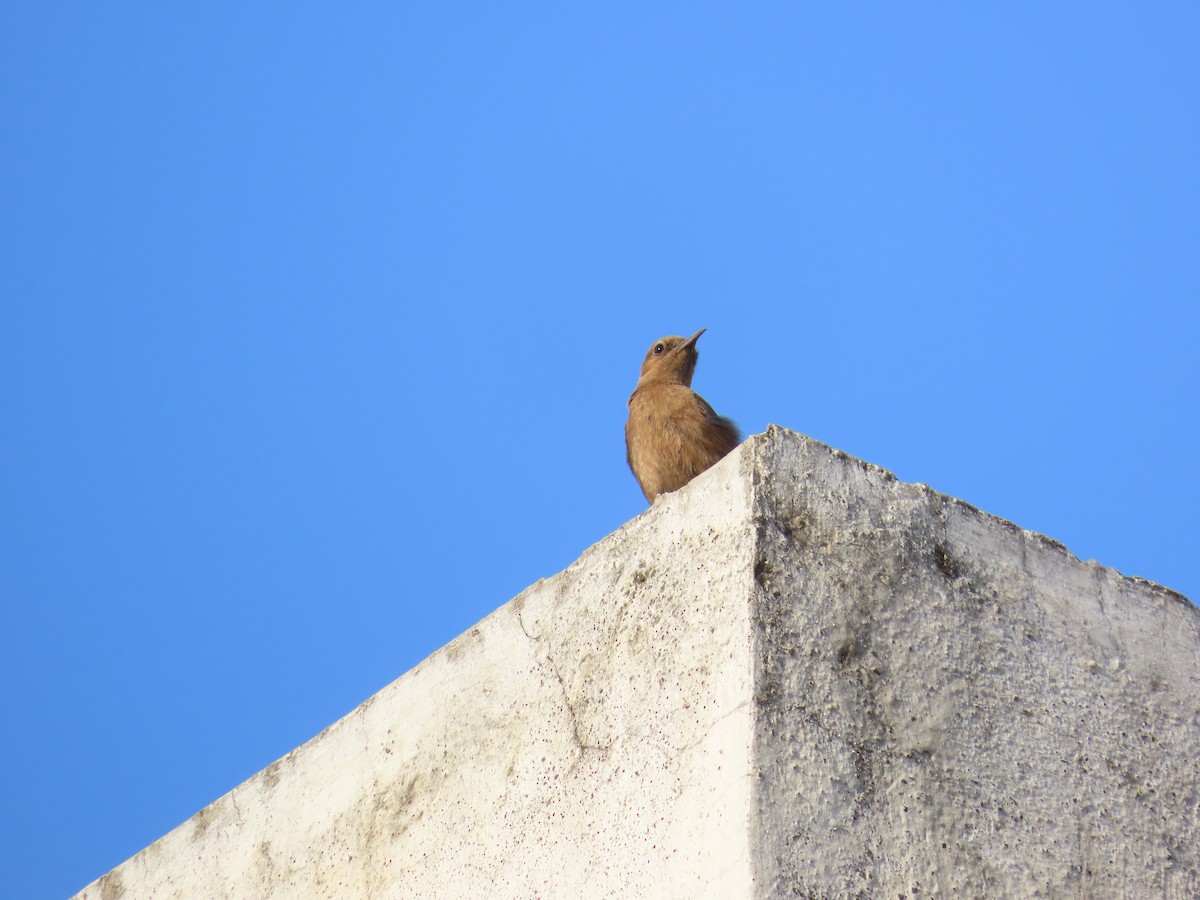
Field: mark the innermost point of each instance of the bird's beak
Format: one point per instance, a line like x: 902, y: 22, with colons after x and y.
x: 691, y: 342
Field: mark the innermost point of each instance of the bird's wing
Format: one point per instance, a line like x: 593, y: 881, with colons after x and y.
x: 711, y: 414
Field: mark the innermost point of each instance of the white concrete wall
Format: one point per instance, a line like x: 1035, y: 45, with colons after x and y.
x: 795, y: 677
x: 590, y: 738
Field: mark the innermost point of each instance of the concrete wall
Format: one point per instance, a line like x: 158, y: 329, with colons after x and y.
x: 590, y: 738
x: 950, y: 706
x: 796, y: 676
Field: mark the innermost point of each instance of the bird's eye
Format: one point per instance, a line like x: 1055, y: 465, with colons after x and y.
x: 658, y: 348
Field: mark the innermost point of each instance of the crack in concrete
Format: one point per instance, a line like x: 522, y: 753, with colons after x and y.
x: 544, y: 658
x: 687, y: 748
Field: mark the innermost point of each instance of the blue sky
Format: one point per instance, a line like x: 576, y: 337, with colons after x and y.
x: 319, y: 323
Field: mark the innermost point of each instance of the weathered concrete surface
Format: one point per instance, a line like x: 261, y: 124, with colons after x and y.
x: 591, y: 738
x: 794, y: 677
x: 949, y: 705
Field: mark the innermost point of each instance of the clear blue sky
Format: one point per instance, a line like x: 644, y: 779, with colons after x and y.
x: 319, y: 323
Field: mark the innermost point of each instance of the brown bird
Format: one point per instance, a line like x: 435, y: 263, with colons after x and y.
x: 672, y: 434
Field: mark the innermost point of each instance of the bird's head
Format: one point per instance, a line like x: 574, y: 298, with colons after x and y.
x: 671, y: 360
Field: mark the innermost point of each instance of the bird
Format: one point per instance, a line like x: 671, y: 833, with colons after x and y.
x: 672, y: 434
